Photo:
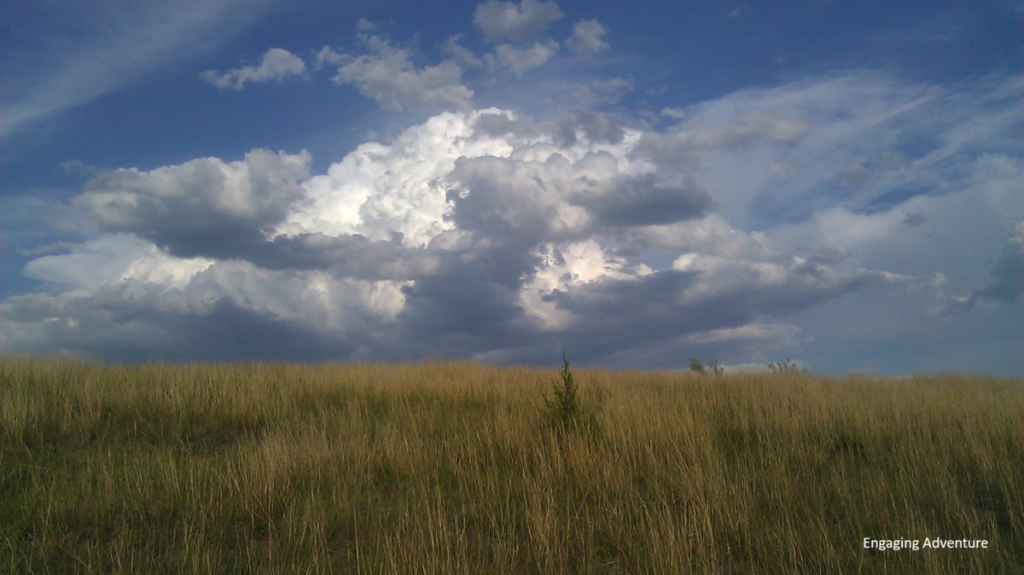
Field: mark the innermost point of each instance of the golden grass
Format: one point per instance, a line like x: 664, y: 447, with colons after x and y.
x: 452, y: 468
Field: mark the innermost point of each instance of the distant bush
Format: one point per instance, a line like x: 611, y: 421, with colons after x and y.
x: 696, y: 366
x: 785, y: 366
x: 713, y: 367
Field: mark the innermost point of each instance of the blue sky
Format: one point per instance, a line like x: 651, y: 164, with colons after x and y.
x: 838, y: 183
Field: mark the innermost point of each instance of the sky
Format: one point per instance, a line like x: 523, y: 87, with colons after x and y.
x: 636, y: 184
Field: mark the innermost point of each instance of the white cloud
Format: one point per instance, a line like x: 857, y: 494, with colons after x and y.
x: 521, y: 60
x: 782, y: 171
x: 946, y: 237
x: 388, y: 75
x: 770, y: 367
x: 789, y: 280
x: 314, y: 298
x: 378, y: 189
x: 275, y: 64
x: 596, y: 94
x: 156, y: 266
x: 711, y: 235
x: 563, y: 268
x: 329, y: 56
x: 364, y: 25
x: 688, y: 142
x: 112, y: 259
x: 586, y: 37
x: 89, y: 266
x: 504, y: 20
x: 674, y: 113
x: 616, y: 88
x: 461, y: 54
x: 778, y: 335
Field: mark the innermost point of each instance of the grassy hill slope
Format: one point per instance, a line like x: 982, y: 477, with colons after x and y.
x: 455, y: 468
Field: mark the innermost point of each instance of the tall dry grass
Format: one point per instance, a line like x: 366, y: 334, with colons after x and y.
x: 454, y: 468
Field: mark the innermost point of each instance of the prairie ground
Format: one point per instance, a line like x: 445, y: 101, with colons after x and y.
x: 455, y: 468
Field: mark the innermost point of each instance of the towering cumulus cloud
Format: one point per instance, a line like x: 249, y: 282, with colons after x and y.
x: 480, y: 232
x: 512, y: 183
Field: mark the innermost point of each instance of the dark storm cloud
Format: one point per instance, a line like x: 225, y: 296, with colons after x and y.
x: 578, y: 126
x: 135, y: 322
x: 914, y: 220
x: 472, y: 307
x: 201, y: 206
x: 506, y: 197
x: 644, y: 202
x: 500, y: 125
x: 471, y: 303
x: 682, y: 148
x: 352, y: 256
x: 628, y: 314
x: 613, y: 314
x: 595, y: 129
x: 1007, y: 277
x: 207, y: 208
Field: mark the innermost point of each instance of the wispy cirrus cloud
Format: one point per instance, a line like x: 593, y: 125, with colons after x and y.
x: 115, y: 45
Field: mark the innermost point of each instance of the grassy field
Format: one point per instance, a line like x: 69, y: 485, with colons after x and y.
x: 455, y: 468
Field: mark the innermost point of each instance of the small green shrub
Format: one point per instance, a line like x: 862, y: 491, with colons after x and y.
x: 566, y: 411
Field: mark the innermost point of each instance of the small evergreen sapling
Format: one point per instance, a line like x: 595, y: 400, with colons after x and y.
x: 566, y: 412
